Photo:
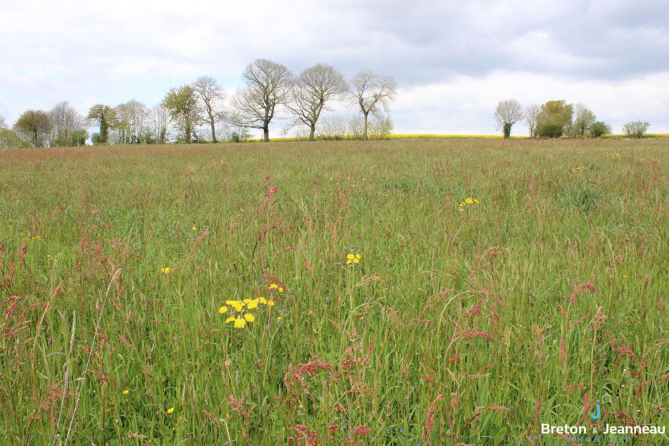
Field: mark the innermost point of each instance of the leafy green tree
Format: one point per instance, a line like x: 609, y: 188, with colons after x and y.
x: 34, y: 126
x: 105, y: 116
x: 636, y: 129
x: 599, y: 129
x: 182, y: 105
x: 554, y: 118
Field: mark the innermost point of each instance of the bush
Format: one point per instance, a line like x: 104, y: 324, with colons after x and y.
x: 9, y: 140
x: 77, y: 138
x: 552, y: 129
x: 636, y: 129
x: 599, y: 129
x: 381, y: 127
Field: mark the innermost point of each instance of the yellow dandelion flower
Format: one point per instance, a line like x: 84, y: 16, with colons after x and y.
x: 348, y: 262
x: 194, y: 228
x: 356, y: 261
x: 271, y: 303
x: 223, y: 309
x: 229, y: 302
x: 476, y: 201
x: 126, y: 392
x: 253, y: 304
x: 167, y: 270
x: 279, y: 318
x: 170, y: 410
x: 274, y: 286
x: 230, y: 319
x: 262, y: 300
x: 358, y: 256
x: 240, y: 323
x: 249, y: 317
x: 281, y: 290
x: 350, y: 256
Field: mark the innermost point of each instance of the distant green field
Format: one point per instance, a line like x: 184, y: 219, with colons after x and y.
x: 414, y: 291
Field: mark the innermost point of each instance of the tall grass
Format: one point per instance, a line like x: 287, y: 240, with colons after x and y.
x: 469, y: 324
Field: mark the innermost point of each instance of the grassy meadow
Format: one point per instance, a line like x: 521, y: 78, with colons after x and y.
x: 402, y: 292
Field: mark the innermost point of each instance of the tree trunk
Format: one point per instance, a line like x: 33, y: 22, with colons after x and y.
x: 213, y: 131
x: 365, y: 126
x: 266, y: 134
x: 507, y: 130
x: 311, y: 133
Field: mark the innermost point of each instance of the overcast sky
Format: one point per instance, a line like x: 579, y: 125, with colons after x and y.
x: 452, y: 60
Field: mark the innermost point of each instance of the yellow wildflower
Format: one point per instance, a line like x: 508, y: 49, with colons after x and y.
x: 194, y: 228
x: 170, y: 410
x: 270, y: 303
x: 350, y: 256
x: 167, y: 270
x: 252, y: 304
x: 240, y: 323
x: 249, y: 317
x: 126, y: 392
x: 274, y: 286
x: 230, y: 319
x: 281, y: 290
x: 262, y: 300
x: 223, y: 309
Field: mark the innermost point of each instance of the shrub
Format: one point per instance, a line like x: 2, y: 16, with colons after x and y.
x: 636, y: 129
x: 599, y: 129
x: 552, y: 129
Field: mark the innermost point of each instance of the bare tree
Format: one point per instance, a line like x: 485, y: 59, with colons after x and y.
x: 212, y: 96
x: 582, y: 121
x: 268, y: 87
x: 315, y: 86
x: 65, y: 119
x: 160, y: 124
x: 508, y: 112
x: 531, y: 115
x: 131, y: 122
x: 2, y: 122
x: 372, y: 93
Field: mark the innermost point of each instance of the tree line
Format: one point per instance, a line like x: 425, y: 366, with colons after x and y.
x: 199, y: 111
x: 554, y: 119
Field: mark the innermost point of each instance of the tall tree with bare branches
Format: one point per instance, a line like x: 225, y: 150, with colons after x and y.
x: 313, y: 89
x: 268, y: 87
x: 211, y: 95
x: 531, y: 115
x: 508, y: 112
x: 372, y: 93
x: 65, y: 119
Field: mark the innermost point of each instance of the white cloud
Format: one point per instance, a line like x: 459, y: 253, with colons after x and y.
x: 453, y: 60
